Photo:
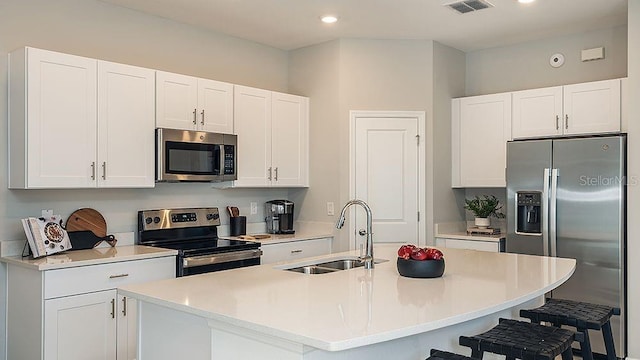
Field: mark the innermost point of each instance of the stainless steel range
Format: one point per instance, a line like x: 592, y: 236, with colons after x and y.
x: 194, y: 233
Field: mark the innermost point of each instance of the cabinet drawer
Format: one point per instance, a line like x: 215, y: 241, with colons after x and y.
x: 295, y: 250
x: 83, y: 279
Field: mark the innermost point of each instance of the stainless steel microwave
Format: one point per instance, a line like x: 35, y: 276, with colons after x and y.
x: 197, y: 156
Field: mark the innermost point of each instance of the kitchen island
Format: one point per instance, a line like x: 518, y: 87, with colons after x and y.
x: 265, y: 312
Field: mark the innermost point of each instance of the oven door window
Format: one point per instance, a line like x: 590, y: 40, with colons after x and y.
x: 192, y: 158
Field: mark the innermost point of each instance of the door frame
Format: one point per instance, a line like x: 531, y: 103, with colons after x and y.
x: 354, y: 115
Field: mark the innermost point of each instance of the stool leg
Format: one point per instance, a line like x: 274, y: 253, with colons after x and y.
x: 585, y: 345
x: 567, y: 354
x: 608, y: 341
x: 477, y: 354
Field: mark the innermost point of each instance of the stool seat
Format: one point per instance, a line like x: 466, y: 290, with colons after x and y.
x: 521, y: 340
x: 581, y: 315
x: 571, y: 313
x: 445, y: 355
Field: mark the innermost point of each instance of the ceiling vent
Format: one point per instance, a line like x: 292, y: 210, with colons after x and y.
x: 467, y: 6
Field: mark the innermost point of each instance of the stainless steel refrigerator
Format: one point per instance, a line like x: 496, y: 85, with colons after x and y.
x: 566, y: 198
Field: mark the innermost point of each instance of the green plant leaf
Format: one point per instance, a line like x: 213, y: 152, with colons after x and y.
x: 484, y: 206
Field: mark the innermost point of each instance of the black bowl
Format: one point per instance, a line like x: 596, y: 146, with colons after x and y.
x: 421, y: 268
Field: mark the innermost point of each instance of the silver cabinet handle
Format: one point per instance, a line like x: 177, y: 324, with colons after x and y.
x: 113, y: 308
x: 124, y: 306
x: 202, y: 119
x: 118, y: 276
x: 566, y: 121
x: 276, y: 178
x: 557, y: 122
x: 195, y: 121
x: 93, y: 170
x: 104, y: 170
x: 269, y: 174
x: 296, y: 251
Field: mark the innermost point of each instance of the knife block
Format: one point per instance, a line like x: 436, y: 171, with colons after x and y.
x: 237, y: 225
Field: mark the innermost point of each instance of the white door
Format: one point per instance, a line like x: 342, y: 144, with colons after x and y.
x: 80, y: 327
x: 176, y: 101
x: 592, y: 107
x: 126, y: 122
x: 61, y: 93
x: 252, y: 124
x: 386, y: 176
x: 289, y: 138
x: 215, y: 106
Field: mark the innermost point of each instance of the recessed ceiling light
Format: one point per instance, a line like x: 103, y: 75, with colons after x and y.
x: 329, y: 19
x: 525, y: 1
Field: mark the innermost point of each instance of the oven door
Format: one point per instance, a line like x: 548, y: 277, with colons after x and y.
x: 221, y: 261
x: 184, y: 155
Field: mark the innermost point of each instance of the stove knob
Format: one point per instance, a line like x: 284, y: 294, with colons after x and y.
x: 148, y: 220
x: 215, y: 216
x: 156, y: 219
x: 210, y: 217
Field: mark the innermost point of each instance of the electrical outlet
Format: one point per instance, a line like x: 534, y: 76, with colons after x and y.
x: 254, y: 208
x: 330, y: 209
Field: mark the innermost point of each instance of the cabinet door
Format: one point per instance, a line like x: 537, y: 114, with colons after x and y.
x: 176, y: 101
x: 80, y: 327
x: 472, y: 245
x: 537, y: 113
x: 252, y: 124
x: 272, y: 253
x: 126, y: 123
x: 289, y: 140
x: 592, y: 107
x: 485, y: 128
x: 61, y: 120
x: 215, y: 106
x: 127, y: 332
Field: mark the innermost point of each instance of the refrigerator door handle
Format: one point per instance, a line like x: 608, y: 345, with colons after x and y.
x: 552, y: 212
x: 545, y: 213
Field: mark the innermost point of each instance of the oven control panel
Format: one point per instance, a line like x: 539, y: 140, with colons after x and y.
x: 177, y: 218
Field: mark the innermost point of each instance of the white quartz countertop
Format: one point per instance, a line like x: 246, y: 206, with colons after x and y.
x: 458, y: 230
x: 94, y: 256
x: 282, y: 238
x: 357, y: 307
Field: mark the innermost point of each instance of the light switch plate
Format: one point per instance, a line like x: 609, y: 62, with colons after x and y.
x: 330, y: 209
x: 254, y: 208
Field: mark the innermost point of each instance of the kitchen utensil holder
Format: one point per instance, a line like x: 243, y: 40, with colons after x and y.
x: 238, y: 225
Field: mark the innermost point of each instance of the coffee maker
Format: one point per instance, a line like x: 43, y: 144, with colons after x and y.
x: 279, y: 216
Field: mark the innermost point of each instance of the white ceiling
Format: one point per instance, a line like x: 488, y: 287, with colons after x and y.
x: 291, y: 24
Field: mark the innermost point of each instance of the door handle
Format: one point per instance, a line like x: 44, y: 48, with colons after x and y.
x: 93, y: 170
x: 557, y: 122
x: 113, y: 308
x: 124, y: 306
x: 269, y: 174
x: 276, y: 172
x: 195, y: 121
x: 202, y: 119
x: 104, y: 170
x: 566, y: 121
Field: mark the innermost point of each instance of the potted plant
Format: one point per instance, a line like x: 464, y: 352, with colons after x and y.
x: 482, y: 208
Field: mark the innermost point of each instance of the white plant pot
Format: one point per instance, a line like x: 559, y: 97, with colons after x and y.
x: 482, y: 223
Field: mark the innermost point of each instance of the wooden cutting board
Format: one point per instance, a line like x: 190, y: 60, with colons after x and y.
x: 87, y: 219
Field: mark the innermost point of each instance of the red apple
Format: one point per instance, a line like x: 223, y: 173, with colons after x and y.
x: 434, y: 254
x: 405, y: 251
x: 419, y: 254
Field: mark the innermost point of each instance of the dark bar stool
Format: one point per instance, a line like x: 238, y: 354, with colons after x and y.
x: 522, y: 340
x: 445, y: 355
x: 583, y: 316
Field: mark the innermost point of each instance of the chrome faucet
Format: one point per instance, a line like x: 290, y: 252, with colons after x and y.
x: 368, y: 258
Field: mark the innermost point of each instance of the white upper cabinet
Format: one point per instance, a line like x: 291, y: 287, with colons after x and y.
x: 587, y: 108
x: 126, y: 122
x: 190, y: 103
x: 537, y: 112
x: 273, y: 134
x: 52, y: 120
x: 72, y: 125
x: 481, y: 127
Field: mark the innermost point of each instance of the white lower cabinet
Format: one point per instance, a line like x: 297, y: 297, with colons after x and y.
x: 482, y: 245
x: 272, y: 253
x: 76, y: 313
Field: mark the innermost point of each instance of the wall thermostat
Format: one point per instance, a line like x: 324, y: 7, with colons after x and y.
x: 556, y: 60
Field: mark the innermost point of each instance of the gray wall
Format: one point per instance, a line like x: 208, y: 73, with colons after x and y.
x: 526, y: 65
x: 633, y: 203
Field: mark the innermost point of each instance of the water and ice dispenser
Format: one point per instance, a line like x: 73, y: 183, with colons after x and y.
x: 529, y: 212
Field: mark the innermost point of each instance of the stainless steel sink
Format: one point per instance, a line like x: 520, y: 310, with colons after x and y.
x: 325, y: 266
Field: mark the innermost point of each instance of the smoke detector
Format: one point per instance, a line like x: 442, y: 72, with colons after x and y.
x: 467, y: 6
